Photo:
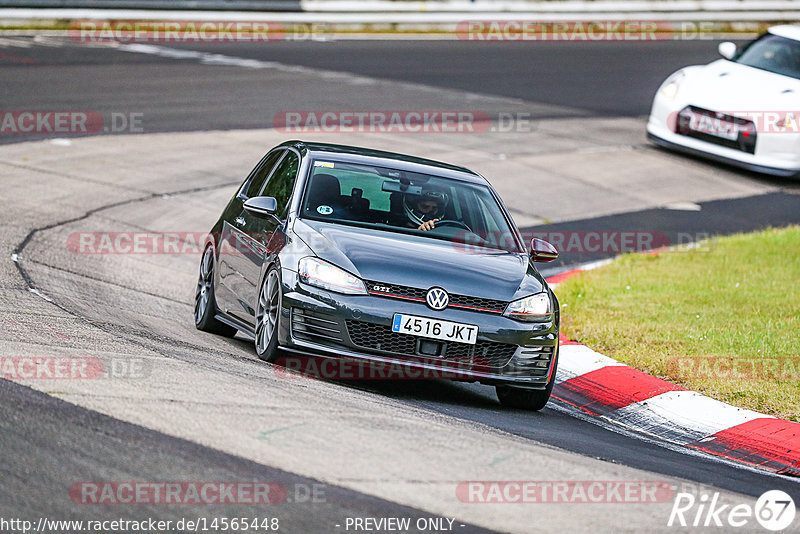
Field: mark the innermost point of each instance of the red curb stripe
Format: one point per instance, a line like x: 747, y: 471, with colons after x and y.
x: 560, y: 277
x: 611, y: 388
x: 771, y: 444
x: 564, y: 340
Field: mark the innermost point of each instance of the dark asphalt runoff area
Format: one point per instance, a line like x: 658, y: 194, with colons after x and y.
x: 63, y: 443
x: 667, y: 227
x: 593, y: 79
x: 598, y: 78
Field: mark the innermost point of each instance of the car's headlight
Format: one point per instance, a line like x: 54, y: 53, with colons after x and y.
x: 319, y: 273
x: 672, y: 84
x: 535, y: 308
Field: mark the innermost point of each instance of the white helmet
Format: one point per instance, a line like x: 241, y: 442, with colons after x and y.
x: 411, y: 202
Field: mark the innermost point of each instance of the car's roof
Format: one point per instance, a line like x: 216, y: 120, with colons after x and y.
x: 789, y: 31
x: 354, y: 154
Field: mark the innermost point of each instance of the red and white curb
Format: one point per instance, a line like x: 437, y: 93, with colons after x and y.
x: 607, y: 389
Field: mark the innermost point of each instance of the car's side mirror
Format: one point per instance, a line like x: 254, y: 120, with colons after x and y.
x: 727, y: 49
x: 542, y: 251
x: 261, y: 206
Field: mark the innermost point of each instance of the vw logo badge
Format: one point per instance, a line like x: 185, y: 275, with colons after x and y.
x: 437, y: 298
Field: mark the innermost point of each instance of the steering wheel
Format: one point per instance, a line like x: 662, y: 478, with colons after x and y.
x: 450, y: 222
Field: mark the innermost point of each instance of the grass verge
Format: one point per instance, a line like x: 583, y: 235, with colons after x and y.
x: 722, y: 319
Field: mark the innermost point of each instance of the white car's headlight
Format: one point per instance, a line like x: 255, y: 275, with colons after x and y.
x: 670, y: 87
x: 319, y: 273
x: 535, y: 308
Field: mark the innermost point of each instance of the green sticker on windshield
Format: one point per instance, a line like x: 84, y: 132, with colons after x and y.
x: 324, y: 210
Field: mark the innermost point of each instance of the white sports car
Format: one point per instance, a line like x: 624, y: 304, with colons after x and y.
x: 742, y: 110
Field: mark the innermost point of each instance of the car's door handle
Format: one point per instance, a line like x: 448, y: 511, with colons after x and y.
x: 239, y: 220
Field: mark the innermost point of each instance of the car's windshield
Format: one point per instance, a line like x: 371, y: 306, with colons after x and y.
x: 774, y: 54
x: 392, y: 200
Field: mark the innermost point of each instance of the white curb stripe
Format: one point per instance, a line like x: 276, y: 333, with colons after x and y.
x: 681, y: 416
x: 576, y: 360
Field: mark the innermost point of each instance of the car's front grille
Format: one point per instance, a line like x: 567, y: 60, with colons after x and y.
x: 316, y: 327
x: 745, y: 140
x: 395, y: 291
x: 377, y: 338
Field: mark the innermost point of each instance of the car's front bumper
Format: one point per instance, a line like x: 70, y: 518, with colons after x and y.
x: 776, y: 153
x: 320, y: 323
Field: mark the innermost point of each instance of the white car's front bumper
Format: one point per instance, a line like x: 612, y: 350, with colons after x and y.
x: 776, y: 153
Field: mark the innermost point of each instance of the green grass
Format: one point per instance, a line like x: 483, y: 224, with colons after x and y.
x: 722, y: 319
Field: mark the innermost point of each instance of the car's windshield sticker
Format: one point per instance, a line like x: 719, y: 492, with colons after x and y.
x: 323, y: 164
x: 324, y: 210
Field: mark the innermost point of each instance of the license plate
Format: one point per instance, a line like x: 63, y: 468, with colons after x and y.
x: 435, y: 329
x: 708, y: 125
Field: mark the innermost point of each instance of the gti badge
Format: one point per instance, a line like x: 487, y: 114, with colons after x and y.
x: 437, y: 298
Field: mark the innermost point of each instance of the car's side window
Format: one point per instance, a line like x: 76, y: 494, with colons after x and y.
x: 282, y: 182
x: 260, y: 175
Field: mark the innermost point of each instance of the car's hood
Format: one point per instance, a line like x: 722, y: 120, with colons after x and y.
x: 421, y: 262
x: 730, y: 87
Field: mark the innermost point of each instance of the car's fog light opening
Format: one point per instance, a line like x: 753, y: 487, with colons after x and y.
x: 316, y: 327
x: 530, y: 361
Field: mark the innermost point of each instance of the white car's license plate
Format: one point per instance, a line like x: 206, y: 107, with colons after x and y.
x: 435, y: 329
x: 713, y: 126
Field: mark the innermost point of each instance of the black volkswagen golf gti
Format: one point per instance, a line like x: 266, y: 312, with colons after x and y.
x: 345, y: 252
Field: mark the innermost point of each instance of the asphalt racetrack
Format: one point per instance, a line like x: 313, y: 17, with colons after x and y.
x: 191, y: 407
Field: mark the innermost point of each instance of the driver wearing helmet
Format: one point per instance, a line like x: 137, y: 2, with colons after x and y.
x: 426, y: 209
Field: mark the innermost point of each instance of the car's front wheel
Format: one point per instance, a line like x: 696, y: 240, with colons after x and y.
x: 205, y: 306
x: 268, y: 312
x: 526, y: 399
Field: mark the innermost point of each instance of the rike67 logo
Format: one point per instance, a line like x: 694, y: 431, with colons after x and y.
x: 774, y: 510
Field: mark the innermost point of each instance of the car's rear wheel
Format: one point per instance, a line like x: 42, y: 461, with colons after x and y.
x: 205, y: 306
x: 268, y: 312
x: 526, y: 399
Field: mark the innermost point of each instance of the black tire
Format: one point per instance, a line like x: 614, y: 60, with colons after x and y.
x: 205, y: 305
x: 268, y: 315
x: 526, y: 399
